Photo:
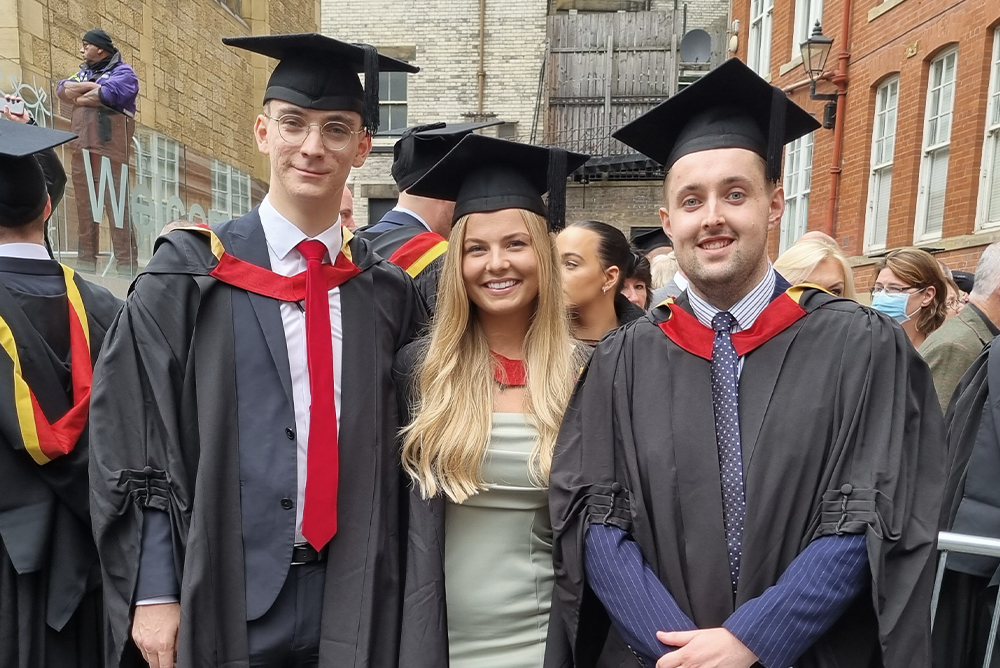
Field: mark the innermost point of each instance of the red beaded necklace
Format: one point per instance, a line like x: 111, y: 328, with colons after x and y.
x: 508, y: 372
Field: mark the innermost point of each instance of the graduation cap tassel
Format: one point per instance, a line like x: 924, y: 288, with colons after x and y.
x: 776, y: 133
x: 557, y: 189
x: 371, y: 88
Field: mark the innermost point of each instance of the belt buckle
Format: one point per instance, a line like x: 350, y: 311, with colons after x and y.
x: 296, y: 548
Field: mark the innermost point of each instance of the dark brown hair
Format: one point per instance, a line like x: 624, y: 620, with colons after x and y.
x: 642, y: 272
x: 919, y: 269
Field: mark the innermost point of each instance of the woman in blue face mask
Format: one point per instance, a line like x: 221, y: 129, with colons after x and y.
x: 910, y: 287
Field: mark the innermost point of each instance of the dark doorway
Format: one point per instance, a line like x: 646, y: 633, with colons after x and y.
x: 378, y: 208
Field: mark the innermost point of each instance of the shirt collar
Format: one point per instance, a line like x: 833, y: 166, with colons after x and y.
x: 745, y: 311
x: 26, y: 251
x: 681, y: 281
x: 282, y: 235
x: 414, y: 214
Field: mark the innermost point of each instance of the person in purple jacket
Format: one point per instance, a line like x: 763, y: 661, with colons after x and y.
x: 102, y: 95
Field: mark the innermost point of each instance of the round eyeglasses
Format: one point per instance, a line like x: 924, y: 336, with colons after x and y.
x: 335, y: 135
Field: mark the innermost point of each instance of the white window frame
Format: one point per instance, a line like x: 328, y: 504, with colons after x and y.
x: 157, y: 165
x: 387, y: 92
x: 235, y: 7
x: 797, y: 183
x: 988, y: 208
x: 230, y: 191
x: 938, y: 112
x: 759, y: 50
x: 807, y: 12
x: 880, y: 167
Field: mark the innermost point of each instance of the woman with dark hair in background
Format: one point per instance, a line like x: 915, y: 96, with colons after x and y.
x: 910, y: 287
x: 638, y: 283
x: 596, y: 258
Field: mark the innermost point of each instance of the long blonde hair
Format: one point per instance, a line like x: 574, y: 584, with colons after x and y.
x: 445, y: 445
x: 799, y: 261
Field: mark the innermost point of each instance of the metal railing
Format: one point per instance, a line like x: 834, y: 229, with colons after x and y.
x: 595, y: 140
x: 964, y: 544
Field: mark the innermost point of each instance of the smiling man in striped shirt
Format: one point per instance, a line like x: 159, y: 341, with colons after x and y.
x: 733, y: 483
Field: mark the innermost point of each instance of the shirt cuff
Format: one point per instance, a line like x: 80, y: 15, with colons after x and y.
x: 156, y: 600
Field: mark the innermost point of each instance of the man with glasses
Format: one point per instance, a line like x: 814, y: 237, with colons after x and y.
x: 246, y: 480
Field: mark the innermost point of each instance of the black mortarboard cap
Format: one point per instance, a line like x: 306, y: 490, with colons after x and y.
x: 483, y: 174
x: 319, y: 72
x: 422, y: 146
x: 964, y: 280
x: 730, y: 107
x: 22, y: 184
x: 651, y: 240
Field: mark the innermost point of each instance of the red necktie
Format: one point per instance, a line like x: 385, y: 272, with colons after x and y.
x: 319, y: 516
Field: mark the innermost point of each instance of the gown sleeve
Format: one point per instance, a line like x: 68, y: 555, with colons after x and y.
x: 638, y: 603
x: 588, y: 485
x: 891, y: 476
x: 137, y: 457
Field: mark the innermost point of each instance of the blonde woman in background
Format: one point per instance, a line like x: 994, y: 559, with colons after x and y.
x: 818, y: 260
x: 662, y: 268
x: 487, y: 393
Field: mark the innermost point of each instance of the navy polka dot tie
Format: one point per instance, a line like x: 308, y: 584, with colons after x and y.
x: 727, y: 435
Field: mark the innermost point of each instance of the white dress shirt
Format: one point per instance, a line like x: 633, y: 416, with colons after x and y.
x: 25, y: 251
x: 745, y: 311
x: 414, y: 214
x: 282, y: 238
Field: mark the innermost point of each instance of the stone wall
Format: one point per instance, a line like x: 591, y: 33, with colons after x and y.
x: 192, y: 87
x: 624, y: 204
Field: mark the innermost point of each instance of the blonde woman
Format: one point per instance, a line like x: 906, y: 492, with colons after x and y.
x: 662, y: 268
x: 818, y: 260
x: 487, y: 392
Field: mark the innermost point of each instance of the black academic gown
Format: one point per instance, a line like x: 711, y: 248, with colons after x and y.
x: 387, y: 236
x: 165, y: 435
x: 841, y: 433
x: 50, y: 594
x: 972, y: 506
x: 424, y: 629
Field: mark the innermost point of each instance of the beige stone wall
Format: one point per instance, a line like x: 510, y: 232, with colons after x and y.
x: 192, y: 87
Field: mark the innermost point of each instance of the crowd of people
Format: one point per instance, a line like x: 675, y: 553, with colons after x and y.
x: 478, y: 435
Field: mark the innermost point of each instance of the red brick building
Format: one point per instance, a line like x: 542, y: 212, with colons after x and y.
x: 919, y: 122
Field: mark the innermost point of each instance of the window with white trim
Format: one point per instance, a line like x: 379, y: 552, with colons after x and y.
x: 759, y: 50
x: 936, y: 145
x: 230, y: 191
x: 880, y: 173
x: 989, y: 187
x: 392, y: 88
x: 235, y: 6
x: 158, y: 168
x: 807, y: 13
x: 797, y: 183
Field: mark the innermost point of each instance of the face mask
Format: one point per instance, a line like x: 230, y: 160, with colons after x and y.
x: 893, y: 306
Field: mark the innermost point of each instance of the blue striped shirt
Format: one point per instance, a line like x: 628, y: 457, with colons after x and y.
x: 777, y: 626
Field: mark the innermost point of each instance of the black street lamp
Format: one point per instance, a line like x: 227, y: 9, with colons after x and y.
x: 815, y: 52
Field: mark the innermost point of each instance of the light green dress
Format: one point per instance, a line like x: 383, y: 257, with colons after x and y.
x: 498, y: 559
